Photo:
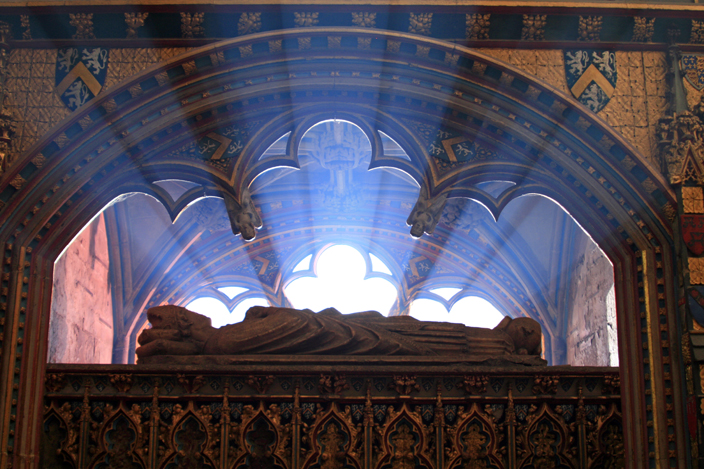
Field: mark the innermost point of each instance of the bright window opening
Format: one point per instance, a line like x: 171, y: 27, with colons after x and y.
x: 218, y: 312
x: 470, y: 311
x: 341, y: 284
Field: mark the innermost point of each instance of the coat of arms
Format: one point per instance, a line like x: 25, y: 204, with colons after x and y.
x: 80, y: 74
x: 693, y: 233
x: 591, y: 76
x: 693, y: 69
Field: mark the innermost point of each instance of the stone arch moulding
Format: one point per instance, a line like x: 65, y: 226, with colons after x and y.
x: 553, y: 144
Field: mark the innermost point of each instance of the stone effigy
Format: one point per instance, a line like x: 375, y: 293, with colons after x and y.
x: 177, y: 331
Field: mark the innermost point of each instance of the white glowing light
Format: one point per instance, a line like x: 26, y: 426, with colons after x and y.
x: 340, y: 284
x: 470, y: 311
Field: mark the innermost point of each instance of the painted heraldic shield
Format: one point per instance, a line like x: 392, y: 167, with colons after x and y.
x: 693, y: 69
x: 693, y: 233
x: 80, y: 74
x: 591, y: 76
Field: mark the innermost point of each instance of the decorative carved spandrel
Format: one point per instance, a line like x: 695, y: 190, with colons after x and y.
x: 119, y: 439
x: 476, y: 440
x: 335, y: 441
x: 544, y: 440
x: 404, y: 440
x: 605, y: 441
x: 264, y: 439
x: 59, y: 438
x: 188, y: 440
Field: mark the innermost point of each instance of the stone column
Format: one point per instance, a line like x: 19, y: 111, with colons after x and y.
x: 681, y: 141
x: 7, y: 122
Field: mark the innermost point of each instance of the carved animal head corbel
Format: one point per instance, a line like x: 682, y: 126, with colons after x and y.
x: 244, y: 218
x: 426, y: 212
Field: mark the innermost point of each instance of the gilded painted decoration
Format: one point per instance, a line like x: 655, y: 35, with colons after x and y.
x: 591, y: 76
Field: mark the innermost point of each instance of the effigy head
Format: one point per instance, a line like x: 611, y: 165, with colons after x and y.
x: 527, y: 335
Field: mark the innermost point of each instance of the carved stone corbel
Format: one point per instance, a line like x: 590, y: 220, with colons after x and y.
x: 244, y: 218
x: 426, y: 212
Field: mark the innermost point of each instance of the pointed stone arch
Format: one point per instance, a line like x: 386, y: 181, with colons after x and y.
x: 555, y: 147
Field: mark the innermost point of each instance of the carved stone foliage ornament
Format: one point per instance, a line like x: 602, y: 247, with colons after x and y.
x: 591, y: 76
x: 682, y: 148
x: 134, y: 21
x: 249, y: 23
x: 192, y: 24
x: 643, y: 29
x: 83, y: 22
x: 295, y: 425
x: 364, y: 19
x: 477, y: 26
x: 533, y: 27
x: 420, y: 23
x: 80, y: 74
x: 589, y: 28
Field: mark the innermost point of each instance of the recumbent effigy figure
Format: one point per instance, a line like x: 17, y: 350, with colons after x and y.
x: 285, y: 331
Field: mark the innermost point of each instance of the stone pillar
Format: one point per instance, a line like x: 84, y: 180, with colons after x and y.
x: 7, y: 121
x: 681, y: 141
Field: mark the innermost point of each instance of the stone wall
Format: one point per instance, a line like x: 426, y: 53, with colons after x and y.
x: 592, y: 310
x: 81, y: 325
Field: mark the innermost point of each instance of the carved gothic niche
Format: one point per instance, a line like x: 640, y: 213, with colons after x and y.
x: 59, y: 439
x: 476, y: 439
x: 681, y: 143
x: 605, y: 443
x: 264, y: 440
x: 544, y: 441
x: 190, y: 439
x: 121, y: 443
x: 404, y: 442
x: 335, y: 441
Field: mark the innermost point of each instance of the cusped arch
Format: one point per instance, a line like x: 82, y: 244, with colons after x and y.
x: 133, y: 130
